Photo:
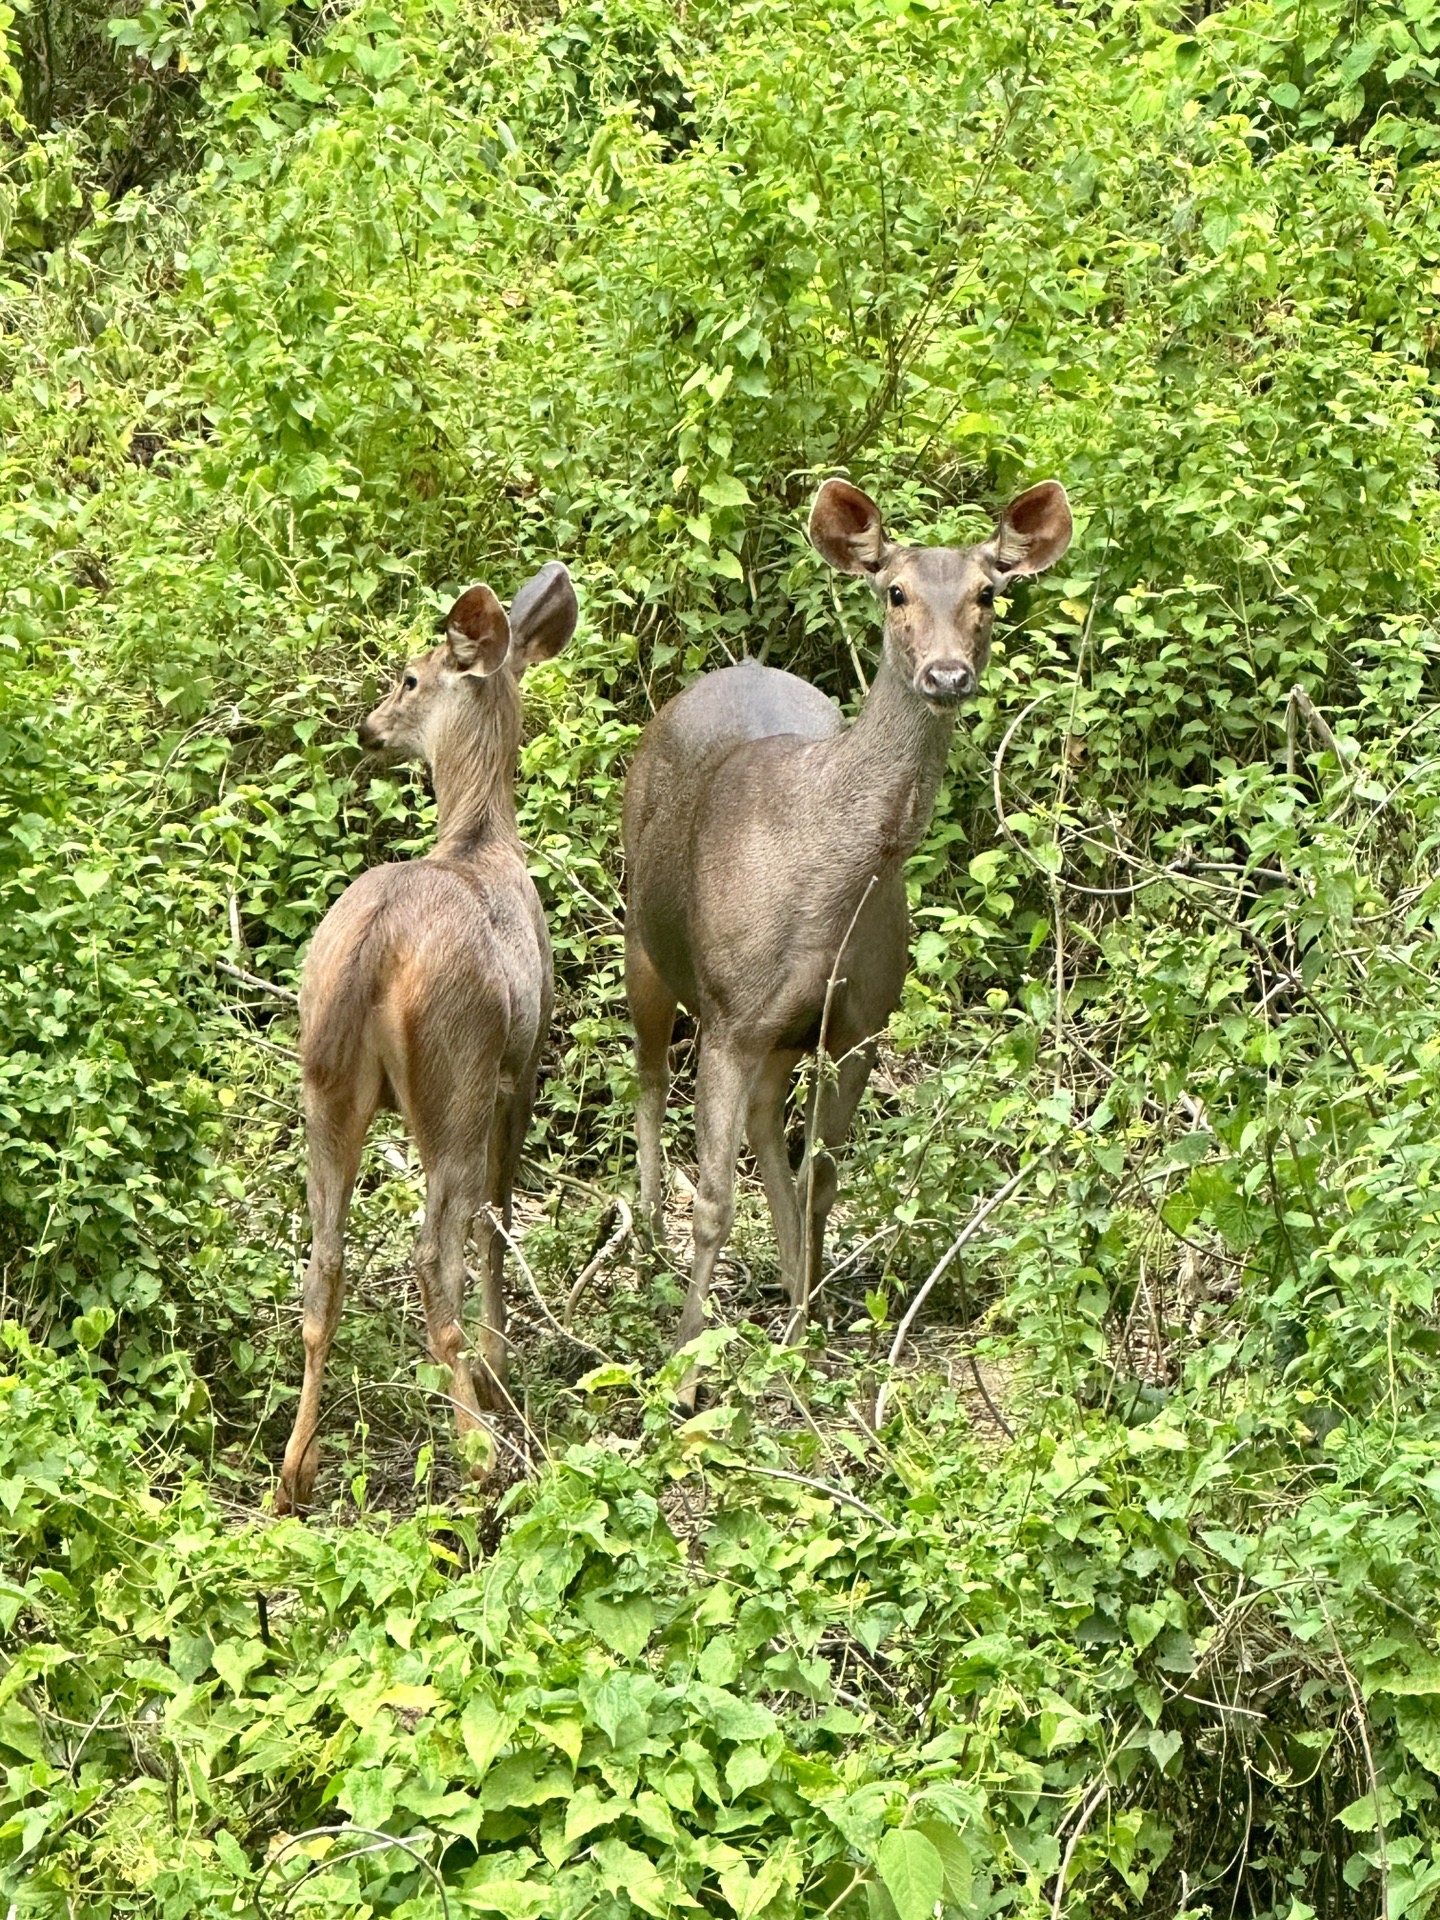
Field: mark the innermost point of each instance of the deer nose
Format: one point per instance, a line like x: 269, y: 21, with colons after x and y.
x: 947, y: 681
x: 367, y: 736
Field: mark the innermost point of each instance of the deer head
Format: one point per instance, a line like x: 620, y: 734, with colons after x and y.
x: 475, y: 669
x: 939, y: 601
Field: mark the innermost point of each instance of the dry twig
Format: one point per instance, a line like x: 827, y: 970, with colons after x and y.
x: 254, y: 980
x: 1087, y: 1813
x: 965, y: 1235
x: 623, y: 1228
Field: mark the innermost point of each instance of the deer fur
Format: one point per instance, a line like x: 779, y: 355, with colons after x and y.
x: 765, y: 843
x: 428, y: 989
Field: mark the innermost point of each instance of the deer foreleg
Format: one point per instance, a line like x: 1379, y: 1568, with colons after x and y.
x: 722, y: 1085
x: 765, y: 1125
x: 831, y: 1109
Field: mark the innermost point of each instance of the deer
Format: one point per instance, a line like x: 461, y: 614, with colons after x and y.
x: 765, y: 843
x: 427, y: 990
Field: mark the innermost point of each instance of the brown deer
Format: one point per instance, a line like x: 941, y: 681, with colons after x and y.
x: 428, y: 989
x: 764, y: 845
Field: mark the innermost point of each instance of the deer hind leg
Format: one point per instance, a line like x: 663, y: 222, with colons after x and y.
x: 765, y: 1126
x: 334, y: 1133
x: 453, y: 1196
x: 652, y: 1012
x: 507, y: 1142
x: 838, y: 1096
x: 452, y: 1116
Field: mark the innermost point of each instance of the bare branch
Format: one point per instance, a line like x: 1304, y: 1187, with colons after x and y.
x: 286, y: 994
x: 623, y: 1228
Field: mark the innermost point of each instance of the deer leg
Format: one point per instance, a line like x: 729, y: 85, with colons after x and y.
x: 818, y: 1180
x: 451, y: 1203
x: 334, y: 1139
x: 507, y: 1142
x: 722, y: 1085
x: 652, y: 1011
x: 765, y: 1125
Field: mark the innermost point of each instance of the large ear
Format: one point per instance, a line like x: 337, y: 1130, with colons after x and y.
x: 1034, y: 530
x: 846, y: 528
x: 542, y: 616
x: 477, y: 633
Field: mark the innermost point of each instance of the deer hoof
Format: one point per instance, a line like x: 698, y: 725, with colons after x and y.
x: 294, y: 1495
x: 693, y: 1396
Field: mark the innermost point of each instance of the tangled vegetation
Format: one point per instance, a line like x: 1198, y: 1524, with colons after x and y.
x: 1112, y: 1588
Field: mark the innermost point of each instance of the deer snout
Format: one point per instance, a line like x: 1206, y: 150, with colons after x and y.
x: 370, y: 739
x: 946, y: 681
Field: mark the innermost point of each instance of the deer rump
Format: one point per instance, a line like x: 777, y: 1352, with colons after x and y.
x: 435, y: 977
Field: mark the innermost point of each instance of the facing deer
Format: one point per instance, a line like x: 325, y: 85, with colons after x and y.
x: 428, y: 989
x: 762, y: 837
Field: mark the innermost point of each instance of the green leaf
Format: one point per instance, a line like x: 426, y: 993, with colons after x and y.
x: 1358, y: 62
x: 626, y: 1870
x: 91, y: 1328
x: 914, y: 1875
x: 1144, y: 1623
x: 749, y: 1893
x: 725, y: 491
x: 516, y: 1899
x: 236, y: 1660
x: 620, y: 1703
x: 746, y: 1767
x: 1359, y: 1816
x: 955, y: 1863
x: 368, y: 1793
x: 484, y: 1727
x: 589, y: 1809
x: 624, y: 1625
x: 1418, y: 1724
x: 732, y: 1717
x: 526, y: 1780
x: 231, y: 1854
x: 612, y: 1374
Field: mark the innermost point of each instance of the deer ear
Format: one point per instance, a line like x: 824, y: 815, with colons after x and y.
x: 542, y: 616
x: 1034, y: 531
x: 477, y: 634
x: 846, y: 528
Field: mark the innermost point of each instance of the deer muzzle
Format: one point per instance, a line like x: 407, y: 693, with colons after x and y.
x: 946, y: 682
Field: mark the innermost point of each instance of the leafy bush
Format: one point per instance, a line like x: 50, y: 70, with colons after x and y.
x: 311, y: 314
x: 590, y: 1715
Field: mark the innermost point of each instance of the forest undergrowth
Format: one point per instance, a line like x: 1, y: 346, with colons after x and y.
x: 1109, y: 1583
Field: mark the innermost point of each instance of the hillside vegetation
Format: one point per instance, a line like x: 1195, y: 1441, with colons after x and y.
x: 1116, y: 1591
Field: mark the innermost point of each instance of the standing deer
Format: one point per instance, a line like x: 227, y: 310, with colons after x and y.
x: 765, y: 843
x: 428, y: 989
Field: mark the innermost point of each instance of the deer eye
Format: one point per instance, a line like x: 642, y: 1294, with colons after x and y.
x: 987, y: 596
x: 897, y: 596
x: 409, y: 683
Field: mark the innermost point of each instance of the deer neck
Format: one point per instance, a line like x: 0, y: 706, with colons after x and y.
x: 472, y: 766
x: 885, y: 771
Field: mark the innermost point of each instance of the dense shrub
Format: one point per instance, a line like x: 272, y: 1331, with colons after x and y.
x: 312, y: 313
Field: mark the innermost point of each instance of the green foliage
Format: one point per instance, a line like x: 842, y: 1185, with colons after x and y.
x: 590, y: 1715
x: 312, y: 314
